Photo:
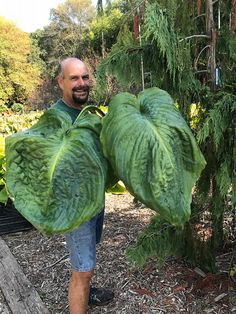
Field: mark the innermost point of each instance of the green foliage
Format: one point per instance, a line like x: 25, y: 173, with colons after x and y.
x: 196, y: 116
x: 162, y: 162
x: 3, y: 108
x: 121, y: 66
x: 158, y: 240
x: 56, y: 172
x: 37, y: 55
x: 13, y: 123
x: 159, y: 30
x: 174, y: 52
x: 105, y: 27
x: 226, y: 49
x: 118, y: 188
x: 219, y: 132
x: 216, y: 185
x: 162, y: 148
x: 170, y: 69
x: 174, y: 71
x: 17, y: 107
x: 18, y: 77
x: 3, y: 191
x: 79, y: 12
x: 232, y: 47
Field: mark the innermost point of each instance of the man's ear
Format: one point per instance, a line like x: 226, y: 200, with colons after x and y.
x: 60, y: 81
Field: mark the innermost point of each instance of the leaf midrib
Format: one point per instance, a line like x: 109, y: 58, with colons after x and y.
x: 56, y: 159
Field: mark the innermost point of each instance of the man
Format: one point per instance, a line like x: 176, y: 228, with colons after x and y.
x: 74, y: 82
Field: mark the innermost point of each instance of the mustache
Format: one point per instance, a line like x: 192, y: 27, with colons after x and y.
x: 78, y: 89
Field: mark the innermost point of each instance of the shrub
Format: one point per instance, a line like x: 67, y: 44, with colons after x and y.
x: 3, y: 108
x: 16, y: 107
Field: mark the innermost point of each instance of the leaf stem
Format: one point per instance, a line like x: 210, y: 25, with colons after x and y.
x: 92, y: 109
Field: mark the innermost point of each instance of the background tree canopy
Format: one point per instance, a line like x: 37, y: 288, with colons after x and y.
x: 19, y: 76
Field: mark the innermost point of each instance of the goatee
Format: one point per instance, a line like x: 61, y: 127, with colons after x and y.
x: 80, y: 100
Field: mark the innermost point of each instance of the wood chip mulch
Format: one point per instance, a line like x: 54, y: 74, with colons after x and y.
x: 175, y: 288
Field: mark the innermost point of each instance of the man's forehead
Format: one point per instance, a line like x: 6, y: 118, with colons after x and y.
x: 76, y: 71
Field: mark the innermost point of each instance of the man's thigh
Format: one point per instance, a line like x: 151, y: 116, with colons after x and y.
x: 82, y: 242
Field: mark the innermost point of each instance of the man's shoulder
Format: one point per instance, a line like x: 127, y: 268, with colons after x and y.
x: 58, y: 105
x: 61, y: 105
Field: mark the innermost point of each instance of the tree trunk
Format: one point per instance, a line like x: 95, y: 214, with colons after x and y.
x: 217, y: 215
x: 211, y: 32
x: 199, y: 2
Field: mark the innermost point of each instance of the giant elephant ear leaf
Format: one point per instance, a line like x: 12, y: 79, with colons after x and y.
x: 56, y: 171
x: 153, y: 151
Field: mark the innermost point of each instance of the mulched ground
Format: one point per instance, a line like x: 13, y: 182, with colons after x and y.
x: 175, y: 288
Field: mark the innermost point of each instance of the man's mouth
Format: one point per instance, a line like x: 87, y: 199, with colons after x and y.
x: 81, y: 93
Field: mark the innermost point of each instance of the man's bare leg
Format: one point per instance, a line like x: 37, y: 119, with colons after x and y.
x: 79, y: 291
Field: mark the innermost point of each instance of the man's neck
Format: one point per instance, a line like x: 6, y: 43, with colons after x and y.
x: 75, y: 106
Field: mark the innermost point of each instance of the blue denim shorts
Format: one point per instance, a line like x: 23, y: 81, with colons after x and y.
x: 81, y: 243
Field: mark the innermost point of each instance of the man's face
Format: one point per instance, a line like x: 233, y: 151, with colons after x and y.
x: 75, y: 83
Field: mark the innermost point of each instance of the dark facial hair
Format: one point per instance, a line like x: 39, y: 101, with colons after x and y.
x: 79, y: 100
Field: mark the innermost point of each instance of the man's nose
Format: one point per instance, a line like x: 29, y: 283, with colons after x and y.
x: 80, y: 81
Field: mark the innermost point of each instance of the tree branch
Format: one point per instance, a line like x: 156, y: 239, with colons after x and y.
x: 196, y: 62
x: 194, y: 36
x: 203, y: 14
x: 202, y: 71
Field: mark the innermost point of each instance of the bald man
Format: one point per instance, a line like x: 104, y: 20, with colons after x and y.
x: 74, y: 82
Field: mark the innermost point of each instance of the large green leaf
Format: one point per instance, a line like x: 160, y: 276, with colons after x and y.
x: 153, y: 151
x: 3, y: 195
x: 3, y: 191
x: 56, y: 171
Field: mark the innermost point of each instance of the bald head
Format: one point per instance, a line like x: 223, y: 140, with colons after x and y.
x: 68, y: 62
x: 74, y: 82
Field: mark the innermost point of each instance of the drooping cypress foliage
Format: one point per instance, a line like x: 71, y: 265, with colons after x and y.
x: 167, y: 59
x: 174, y: 49
x: 219, y: 137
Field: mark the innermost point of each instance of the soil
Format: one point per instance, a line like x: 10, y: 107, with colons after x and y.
x: 177, y: 287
